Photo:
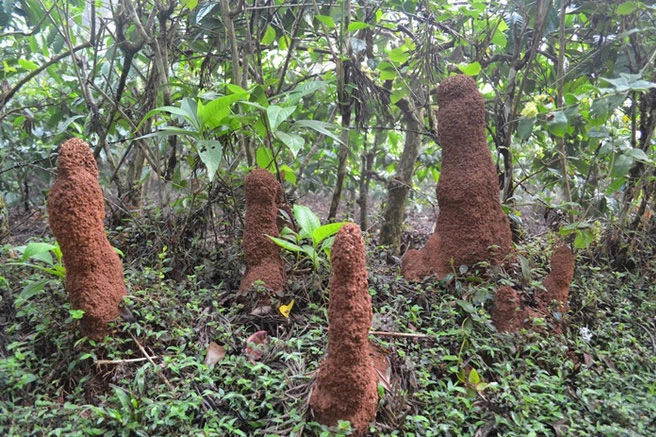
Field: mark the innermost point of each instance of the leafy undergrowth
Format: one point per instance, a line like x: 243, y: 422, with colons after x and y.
x: 450, y: 372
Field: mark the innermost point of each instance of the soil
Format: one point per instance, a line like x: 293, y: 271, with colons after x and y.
x: 76, y: 211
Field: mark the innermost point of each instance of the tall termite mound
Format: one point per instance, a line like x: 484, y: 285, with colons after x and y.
x: 263, y: 260
x: 471, y: 226
x: 76, y: 212
x: 346, y: 386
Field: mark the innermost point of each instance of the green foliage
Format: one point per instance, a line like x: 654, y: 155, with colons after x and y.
x: 313, y: 240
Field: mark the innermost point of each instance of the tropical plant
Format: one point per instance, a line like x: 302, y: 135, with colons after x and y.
x: 313, y: 240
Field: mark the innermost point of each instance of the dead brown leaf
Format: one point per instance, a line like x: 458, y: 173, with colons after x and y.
x: 215, y: 353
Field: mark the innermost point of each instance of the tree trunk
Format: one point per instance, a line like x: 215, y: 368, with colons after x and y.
x: 399, y: 185
x: 365, y: 178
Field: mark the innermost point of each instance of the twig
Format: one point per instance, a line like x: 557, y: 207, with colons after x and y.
x: 400, y: 334
x: 653, y: 343
x: 150, y: 359
x: 126, y: 360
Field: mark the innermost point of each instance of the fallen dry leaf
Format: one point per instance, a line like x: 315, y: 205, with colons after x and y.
x: 255, y: 346
x: 215, y: 353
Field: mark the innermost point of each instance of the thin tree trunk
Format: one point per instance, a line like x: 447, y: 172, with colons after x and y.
x: 365, y: 178
x: 562, y: 152
x: 399, y: 185
x: 344, y: 104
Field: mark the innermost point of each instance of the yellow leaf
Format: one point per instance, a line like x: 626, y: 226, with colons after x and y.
x: 286, y: 309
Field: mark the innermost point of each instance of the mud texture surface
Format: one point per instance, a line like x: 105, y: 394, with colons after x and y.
x: 471, y: 226
x: 76, y: 211
x: 346, y: 386
x: 555, y: 295
x: 508, y: 313
x: 263, y: 260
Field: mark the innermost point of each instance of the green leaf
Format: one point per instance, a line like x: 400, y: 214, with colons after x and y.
x: 325, y: 231
x: 290, y: 174
x: 39, y: 251
x: 302, y: 90
x: 470, y: 69
x: 287, y: 245
x: 357, y: 25
x: 263, y: 157
x: 294, y: 142
x: 621, y: 166
x: 269, y: 36
x: 583, y: 238
x: 474, y: 378
x: 557, y: 125
x: 398, y: 55
x: 211, y: 153
x: 499, y: 39
x: 33, y: 288
x: 627, y: 8
x: 190, y: 4
x: 215, y: 111
x: 321, y: 127
x: 307, y: 220
x: 638, y: 155
x: 278, y: 114
x: 326, y: 20
x: 27, y: 65
x: 389, y: 74
x: 525, y: 127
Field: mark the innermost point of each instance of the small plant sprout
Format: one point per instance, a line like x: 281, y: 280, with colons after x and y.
x: 313, y: 240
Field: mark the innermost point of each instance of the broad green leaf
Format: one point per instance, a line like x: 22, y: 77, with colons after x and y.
x: 470, y: 69
x: 263, y: 157
x: 638, y: 155
x: 287, y: 245
x: 293, y: 142
x: 615, y: 186
x: 27, y: 65
x: 627, y: 8
x: 398, y: 55
x: 33, y: 288
x: 269, y: 36
x: 190, y: 4
x: 302, y: 90
x: 284, y: 42
x: 215, y: 111
x: 357, y: 25
x: 290, y: 174
x: 325, y: 231
x: 499, y: 39
x: 211, y: 153
x: 525, y: 127
x: 327, y: 20
x: 39, y: 251
x: 320, y: 126
x: 583, y: 238
x: 621, y: 165
x: 474, y: 378
x: 557, y: 125
x: 389, y: 74
x: 307, y: 220
x: 277, y: 114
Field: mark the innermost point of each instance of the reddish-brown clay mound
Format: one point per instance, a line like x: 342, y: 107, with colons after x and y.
x: 471, y: 226
x: 508, y: 314
x: 263, y: 261
x: 555, y: 294
x: 346, y: 386
x: 76, y: 211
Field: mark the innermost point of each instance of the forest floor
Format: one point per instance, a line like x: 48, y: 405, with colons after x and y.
x: 177, y: 365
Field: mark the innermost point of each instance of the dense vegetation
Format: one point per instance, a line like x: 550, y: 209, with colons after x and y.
x: 179, y: 99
